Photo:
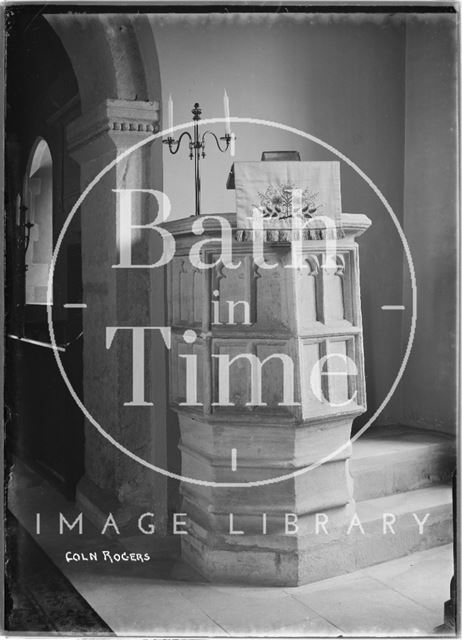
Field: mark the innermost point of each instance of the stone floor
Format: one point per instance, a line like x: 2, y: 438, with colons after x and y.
x: 400, y: 597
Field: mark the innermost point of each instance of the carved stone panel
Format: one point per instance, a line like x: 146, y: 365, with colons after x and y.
x: 331, y: 376
x: 186, y: 285
x: 324, y: 293
x: 179, y: 364
x: 261, y: 385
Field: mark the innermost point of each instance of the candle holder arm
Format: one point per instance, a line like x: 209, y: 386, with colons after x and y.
x: 174, y: 145
x: 226, y: 138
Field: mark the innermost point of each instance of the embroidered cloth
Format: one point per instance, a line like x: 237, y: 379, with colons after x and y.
x: 287, y: 194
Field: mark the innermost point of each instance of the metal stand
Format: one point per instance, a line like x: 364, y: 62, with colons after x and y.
x: 197, y: 150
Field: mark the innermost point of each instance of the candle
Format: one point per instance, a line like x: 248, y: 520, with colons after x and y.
x: 226, y: 108
x: 170, y: 112
x: 233, y: 144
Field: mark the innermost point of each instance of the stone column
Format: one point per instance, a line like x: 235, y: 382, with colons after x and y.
x: 120, y: 297
x: 267, y: 534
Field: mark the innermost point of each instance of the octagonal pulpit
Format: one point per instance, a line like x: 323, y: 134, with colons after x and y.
x: 266, y: 377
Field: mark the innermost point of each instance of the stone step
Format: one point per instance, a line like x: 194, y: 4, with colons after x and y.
x: 345, y: 553
x: 394, y: 459
x: 359, y: 541
x: 408, y: 507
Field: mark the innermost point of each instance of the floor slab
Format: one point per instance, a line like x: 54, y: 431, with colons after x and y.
x: 251, y: 612
x: 166, y: 597
x: 424, y: 578
x: 364, y: 606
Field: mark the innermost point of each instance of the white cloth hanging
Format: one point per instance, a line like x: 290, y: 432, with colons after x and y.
x: 282, y: 191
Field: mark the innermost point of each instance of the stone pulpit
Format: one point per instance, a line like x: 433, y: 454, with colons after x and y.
x: 266, y: 377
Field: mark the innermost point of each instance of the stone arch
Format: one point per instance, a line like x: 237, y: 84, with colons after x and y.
x: 38, y: 198
x: 40, y: 154
x: 113, y: 55
x: 115, y: 61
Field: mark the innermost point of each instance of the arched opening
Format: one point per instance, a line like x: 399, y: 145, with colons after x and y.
x: 38, y: 222
x: 41, y: 182
x: 123, y: 91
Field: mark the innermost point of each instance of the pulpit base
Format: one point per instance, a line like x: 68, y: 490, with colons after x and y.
x: 291, y: 560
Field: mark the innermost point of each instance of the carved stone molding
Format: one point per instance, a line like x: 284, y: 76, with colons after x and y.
x: 353, y: 225
x: 123, y: 122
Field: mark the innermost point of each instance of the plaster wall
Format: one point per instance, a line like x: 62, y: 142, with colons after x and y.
x: 339, y: 78
x: 429, y: 387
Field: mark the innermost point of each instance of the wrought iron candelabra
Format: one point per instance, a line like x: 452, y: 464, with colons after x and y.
x: 197, y: 149
x: 23, y: 234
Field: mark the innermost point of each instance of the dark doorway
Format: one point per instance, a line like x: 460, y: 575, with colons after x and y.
x: 43, y: 425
